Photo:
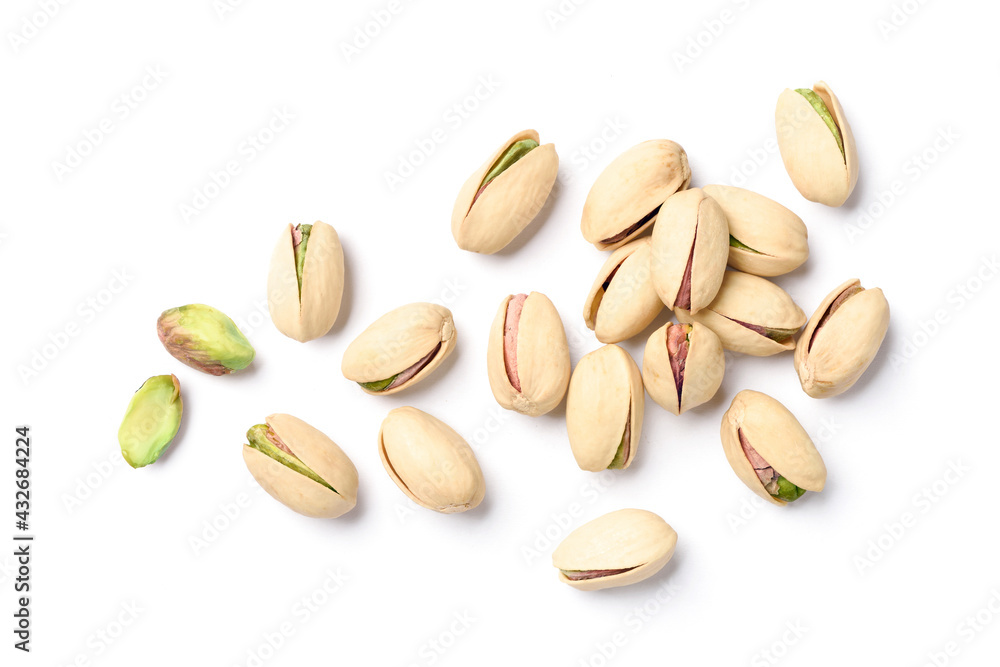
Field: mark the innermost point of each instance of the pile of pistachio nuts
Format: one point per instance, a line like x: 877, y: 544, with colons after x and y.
x: 708, y: 260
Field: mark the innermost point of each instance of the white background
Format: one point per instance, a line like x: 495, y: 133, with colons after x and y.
x: 600, y: 77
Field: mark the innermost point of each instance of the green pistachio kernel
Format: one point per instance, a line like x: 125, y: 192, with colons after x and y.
x: 379, y: 385
x: 262, y: 438
x: 742, y: 246
x: 787, y: 491
x: 780, y: 335
x: 204, y: 338
x: 151, y: 421
x: 820, y: 106
x: 515, y: 152
x: 300, y: 253
x: 618, y: 462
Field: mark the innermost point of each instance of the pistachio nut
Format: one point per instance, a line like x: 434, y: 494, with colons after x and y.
x: 306, y: 281
x: 765, y: 238
x: 431, y: 463
x: 528, y: 356
x: 689, y: 251
x: 151, y: 420
x: 751, y: 315
x: 816, y: 144
x: 617, y: 549
x: 205, y: 339
x: 505, y: 194
x: 841, y: 339
x: 769, y: 450
x: 604, y: 410
x: 400, y: 348
x: 300, y: 467
x: 622, y: 301
x: 626, y: 197
x: 683, y: 366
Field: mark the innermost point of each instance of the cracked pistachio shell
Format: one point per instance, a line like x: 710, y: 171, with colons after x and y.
x: 310, y: 314
x: 774, y: 240
x: 431, y: 463
x: 812, y: 157
x: 629, y: 303
x: 541, y: 361
x: 637, y: 541
x: 205, y: 339
x: 754, y: 301
x: 151, y: 420
x: 400, y: 341
x: 321, y: 455
x: 605, y: 401
x: 690, y: 246
x: 841, y: 339
x: 625, y: 198
x: 777, y: 436
x: 510, y: 201
x: 703, y: 369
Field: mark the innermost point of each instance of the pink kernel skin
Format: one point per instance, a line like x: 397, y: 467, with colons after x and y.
x: 510, y: 326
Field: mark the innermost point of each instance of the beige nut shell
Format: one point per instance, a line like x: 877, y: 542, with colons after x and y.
x: 509, y: 203
x: 628, y: 538
x: 845, y: 345
x: 703, y: 371
x: 431, y: 463
x: 313, y: 314
x: 689, y: 218
x: 753, y: 300
x: 630, y: 303
x: 604, y: 391
x: 543, y: 361
x: 398, y: 340
x: 777, y: 436
x: 321, y: 455
x: 634, y: 185
x: 809, y: 150
x: 778, y: 235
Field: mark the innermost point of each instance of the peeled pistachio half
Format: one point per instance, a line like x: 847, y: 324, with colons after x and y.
x: 622, y: 301
x: 151, y: 420
x: 300, y: 467
x: 505, y: 194
x: 305, y: 284
x: 528, y: 361
x: 751, y: 315
x: 604, y: 410
x: 205, y: 339
x: 765, y: 238
x: 627, y: 196
x: 400, y: 348
x: 841, y: 339
x: 689, y: 250
x: 816, y: 144
x: 431, y: 463
x: 769, y: 450
x: 683, y: 366
x: 617, y: 549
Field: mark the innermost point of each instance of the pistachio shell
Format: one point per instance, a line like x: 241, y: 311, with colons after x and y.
x: 774, y: 240
x: 401, y: 340
x: 509, y: 203
x: 838, y: 345
x: 812, y: 157
x: 754, y: 301
x: 430, y: 462
x: 689, y: 251
x: 540, y: 355
x: 310, y: 313
x: 630, y: 190
x: 702, y: 370
x: 637, y: 541
x: 779, y: 439
x: 629, y: 303
x: 317, y: 452
x: 605, y: 402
